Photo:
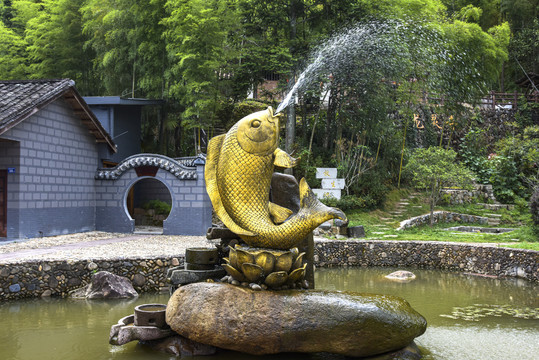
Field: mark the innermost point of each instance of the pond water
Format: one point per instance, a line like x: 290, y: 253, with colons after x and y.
x: 469, y: 318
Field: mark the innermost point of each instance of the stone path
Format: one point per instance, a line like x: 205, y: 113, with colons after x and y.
x: 32, y: 253
x: 99, y: 245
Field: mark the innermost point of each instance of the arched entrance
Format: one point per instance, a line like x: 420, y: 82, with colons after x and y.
x: 149, y: 203
x: 145, y: 177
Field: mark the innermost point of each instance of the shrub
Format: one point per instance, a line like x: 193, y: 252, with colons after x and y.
x: 347, y: 202
x: 160, y: 207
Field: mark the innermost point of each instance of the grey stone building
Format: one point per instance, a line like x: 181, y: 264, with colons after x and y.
x: 52, y: 178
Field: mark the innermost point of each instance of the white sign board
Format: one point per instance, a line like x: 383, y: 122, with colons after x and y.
x: 326, y: 173
x: 333, y: 184
x: 325, y: 193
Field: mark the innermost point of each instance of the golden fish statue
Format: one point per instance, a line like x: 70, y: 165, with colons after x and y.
x: 239, y: 167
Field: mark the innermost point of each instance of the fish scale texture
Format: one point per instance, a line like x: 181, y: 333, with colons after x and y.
x: 243, y: 182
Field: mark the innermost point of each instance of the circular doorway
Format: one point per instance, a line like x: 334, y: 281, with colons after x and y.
x: 149, y: 203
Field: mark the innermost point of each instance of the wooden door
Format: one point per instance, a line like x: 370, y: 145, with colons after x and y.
x: 3, y: 203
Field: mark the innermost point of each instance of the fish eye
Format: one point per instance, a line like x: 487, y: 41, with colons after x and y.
x: 255, y: 123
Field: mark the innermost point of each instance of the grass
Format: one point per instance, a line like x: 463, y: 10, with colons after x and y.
x: 382, y: 223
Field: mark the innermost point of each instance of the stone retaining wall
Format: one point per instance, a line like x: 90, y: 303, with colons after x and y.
x: 442, y: 216
x: 473, y: 258
x: 478, y: 193
x: 57, y: 278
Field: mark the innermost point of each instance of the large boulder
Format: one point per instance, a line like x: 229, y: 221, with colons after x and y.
x: 268, y: 322
x: 106, y: 285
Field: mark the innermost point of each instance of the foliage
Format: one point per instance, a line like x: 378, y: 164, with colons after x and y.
x: 347, y: 202
x: 160, y: 207
x: 12, y: 54
x: 354, y: 161
x: 473, y: 154
x: 433, y: 169
x: 515, y: 168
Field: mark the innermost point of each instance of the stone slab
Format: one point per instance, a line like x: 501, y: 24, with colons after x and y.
x: 336, y: 184
x: 326, y: 173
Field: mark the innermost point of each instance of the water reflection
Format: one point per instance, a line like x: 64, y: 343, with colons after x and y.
x: 68, y: 329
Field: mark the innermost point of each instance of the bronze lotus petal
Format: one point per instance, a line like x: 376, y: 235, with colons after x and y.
x: 299, y: 261
x: 284, y: 262
x: 294, y: 252
x: 233, y: 257
x: 252, y: 272
x: 234, y: 273
x: 276, y: 279
x: 244, y: 257
x: 296, y: 275
x: 266, y: 261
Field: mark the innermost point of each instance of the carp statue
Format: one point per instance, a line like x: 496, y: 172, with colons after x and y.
x: 239, y: 167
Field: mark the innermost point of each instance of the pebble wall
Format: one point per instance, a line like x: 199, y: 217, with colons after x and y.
x: 479, y: 259
x: 58, y: 278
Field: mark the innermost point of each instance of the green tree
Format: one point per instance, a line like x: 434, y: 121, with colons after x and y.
x: 435, y: 168
x: 56, y: 45
x: 200, y: 55
x: 12, y: 54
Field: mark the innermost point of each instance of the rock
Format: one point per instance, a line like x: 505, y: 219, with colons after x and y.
x: 46, y: 293
x: 285, y: 191
x: 181, y: 277
x: 410, y: 352
x: 139, y: 280
x: 124, y: 332
x: 105, y: 285
x: 401, y: 275
x: 92, y: 266
x: 356, y: 231
x: 15, y: 288
x: 220, y: 233
x: 179, y: 346
x: 264, y: 322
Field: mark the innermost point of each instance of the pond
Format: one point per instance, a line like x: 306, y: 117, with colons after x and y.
x: 469, y: 317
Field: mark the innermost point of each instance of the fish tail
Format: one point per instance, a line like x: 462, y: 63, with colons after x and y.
x: 314, y: 209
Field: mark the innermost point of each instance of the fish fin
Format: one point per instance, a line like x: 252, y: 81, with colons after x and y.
x: 279, y: 213
x: 210, y: 175
x: 282, y: 159
x: 317, y: 211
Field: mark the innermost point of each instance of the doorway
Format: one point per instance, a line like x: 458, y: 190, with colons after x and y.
x: 3, y: 203
x: 149, y: 203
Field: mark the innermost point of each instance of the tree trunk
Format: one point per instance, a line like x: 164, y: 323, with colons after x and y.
x: 291, y: 113
x: 331, y: 114
x: 432, y: 203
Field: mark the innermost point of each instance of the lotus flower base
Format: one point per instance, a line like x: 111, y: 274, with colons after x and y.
x: 267, y: 268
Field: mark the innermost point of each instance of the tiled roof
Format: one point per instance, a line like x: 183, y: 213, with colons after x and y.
x: 19, y: 99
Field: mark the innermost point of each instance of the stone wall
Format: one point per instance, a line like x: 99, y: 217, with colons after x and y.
x: 473, y: 258
x: 482, y: 193
x: 442, y: 216
x: 57, y: 278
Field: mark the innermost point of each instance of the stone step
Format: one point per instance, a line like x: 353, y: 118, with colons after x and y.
x: 493, y: 215
x: 403, y: 203
x: 496, y: 207
x: 493, y: 222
